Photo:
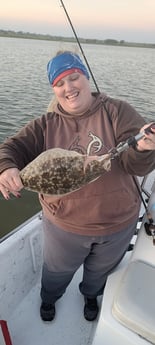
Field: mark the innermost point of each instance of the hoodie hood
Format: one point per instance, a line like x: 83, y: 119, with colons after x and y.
x: 99, y: 99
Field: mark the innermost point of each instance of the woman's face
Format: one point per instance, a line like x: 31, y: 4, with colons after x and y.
x: 73, y: 93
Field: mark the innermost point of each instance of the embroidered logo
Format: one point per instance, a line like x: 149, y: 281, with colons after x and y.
x: 94, y: 146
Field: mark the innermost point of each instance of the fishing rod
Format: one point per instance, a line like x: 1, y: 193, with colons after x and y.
x: 123, y: 146
x: 79, y: 44
x: 130, y: 142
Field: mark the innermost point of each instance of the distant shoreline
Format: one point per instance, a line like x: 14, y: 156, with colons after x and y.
x: 113, y: 42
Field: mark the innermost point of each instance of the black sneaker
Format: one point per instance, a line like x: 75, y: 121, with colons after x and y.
x: 47, y: 311
x: 90, y: 309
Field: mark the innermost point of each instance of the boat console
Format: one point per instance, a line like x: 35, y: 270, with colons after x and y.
x: 128, y: 308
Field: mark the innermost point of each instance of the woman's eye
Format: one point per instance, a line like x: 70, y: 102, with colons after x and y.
x: 71, y: 77
x: 74, y: 76
x: 59, y: 83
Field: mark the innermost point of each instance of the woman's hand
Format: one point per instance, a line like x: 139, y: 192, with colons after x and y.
x: 10, y: 182
x: 148, y: 141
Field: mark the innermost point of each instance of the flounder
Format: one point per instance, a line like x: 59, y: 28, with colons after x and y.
x: 58, y: 171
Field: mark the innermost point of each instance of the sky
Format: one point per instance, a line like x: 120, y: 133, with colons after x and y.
x: 129, y: 20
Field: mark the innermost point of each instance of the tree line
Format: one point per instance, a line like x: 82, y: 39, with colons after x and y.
x: 47, y: 37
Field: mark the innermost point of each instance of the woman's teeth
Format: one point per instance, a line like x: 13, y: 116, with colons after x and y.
x: 73, y: 95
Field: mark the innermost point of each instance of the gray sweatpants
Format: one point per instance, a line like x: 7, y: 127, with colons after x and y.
x: 65, y: 252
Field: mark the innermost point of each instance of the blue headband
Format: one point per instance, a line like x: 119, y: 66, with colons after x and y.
x: 61, y: 63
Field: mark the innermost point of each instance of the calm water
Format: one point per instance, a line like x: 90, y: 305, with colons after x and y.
x: 126, y: 73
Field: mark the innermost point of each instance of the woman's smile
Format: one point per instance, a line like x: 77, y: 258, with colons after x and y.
x: 73, y: 93
x: 72, y: 96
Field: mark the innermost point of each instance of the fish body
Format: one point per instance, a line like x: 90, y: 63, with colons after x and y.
x: 58, y: 171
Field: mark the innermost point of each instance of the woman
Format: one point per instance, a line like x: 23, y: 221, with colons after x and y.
x: 94, y: 225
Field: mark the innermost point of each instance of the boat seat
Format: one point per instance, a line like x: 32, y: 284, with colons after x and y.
x: 134, y: 302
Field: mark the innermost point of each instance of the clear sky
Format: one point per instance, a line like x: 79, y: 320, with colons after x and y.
x: 129, y: 20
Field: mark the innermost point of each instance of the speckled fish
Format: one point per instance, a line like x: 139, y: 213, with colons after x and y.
x: 58, y: 171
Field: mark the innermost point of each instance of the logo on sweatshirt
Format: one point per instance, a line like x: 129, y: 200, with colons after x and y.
x: 95, y: 144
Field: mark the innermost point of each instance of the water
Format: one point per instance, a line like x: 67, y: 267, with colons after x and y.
x: 122, y: 72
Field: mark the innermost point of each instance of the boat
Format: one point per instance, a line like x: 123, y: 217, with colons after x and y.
x: 127, y: 307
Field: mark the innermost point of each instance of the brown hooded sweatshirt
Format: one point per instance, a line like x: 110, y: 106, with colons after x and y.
x: 108, y: 204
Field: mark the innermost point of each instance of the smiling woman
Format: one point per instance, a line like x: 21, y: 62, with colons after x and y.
x: 69, y: 78
x: 89, y: 123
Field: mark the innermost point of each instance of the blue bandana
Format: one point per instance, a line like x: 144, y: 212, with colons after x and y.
x: 64, y: 62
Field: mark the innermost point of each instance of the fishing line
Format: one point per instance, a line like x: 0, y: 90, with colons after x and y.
x: 79, y: 44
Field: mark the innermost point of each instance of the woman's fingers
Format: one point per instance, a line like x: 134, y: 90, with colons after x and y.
x: 10, y: 182
x: 148, y: 141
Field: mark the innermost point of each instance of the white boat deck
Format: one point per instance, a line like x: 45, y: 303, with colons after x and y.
x: 20, y: 276
x: 68, y: 328
x: 20, y: 272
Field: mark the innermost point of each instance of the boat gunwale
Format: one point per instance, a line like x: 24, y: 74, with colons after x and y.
x: 21, y: 226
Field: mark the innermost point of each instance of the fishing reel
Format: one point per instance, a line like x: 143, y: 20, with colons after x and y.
x: 130, y: 142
